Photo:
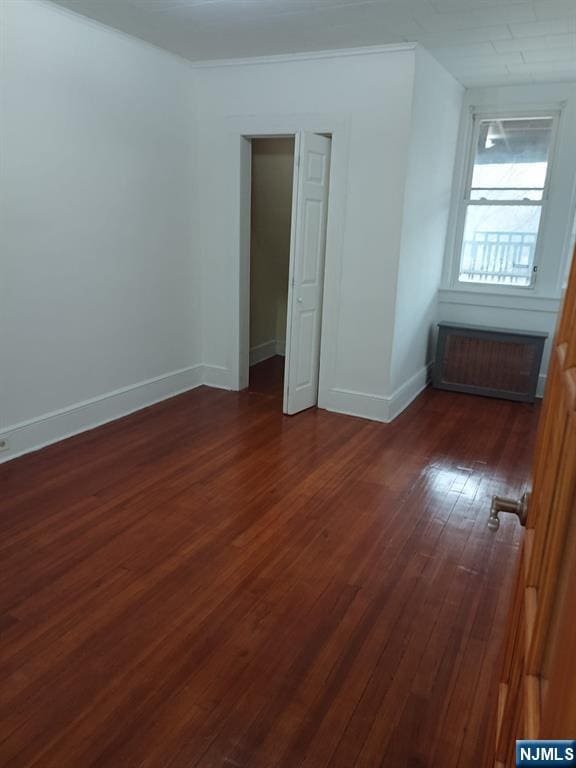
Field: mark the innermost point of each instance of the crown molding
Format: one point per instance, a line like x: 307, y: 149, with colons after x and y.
x: 336, y: 53
x: 368, y: 50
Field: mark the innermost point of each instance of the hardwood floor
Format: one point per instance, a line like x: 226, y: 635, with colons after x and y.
x: 267, y: 378
x: 210, y: 583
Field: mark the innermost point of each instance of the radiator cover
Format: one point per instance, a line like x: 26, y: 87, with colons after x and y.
x: 488, y: 361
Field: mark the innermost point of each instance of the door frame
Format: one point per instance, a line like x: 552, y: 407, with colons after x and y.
x: 276, y: 127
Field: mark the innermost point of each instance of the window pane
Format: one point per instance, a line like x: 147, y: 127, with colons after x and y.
x: 513, y: 154
x: 499, y: 244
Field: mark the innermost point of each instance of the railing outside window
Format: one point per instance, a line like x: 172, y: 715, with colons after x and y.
x: 498, y: 257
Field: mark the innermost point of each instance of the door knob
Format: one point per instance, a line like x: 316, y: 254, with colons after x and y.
x: 299, y: 299
x: 514, y: 506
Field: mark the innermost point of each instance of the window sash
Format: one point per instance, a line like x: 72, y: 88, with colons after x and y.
x: 477, y: 117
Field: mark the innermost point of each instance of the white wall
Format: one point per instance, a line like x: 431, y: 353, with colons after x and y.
x: 272, y: 176
x: 99, y: 292
x: 394, y: 118
x: 365, y: 102
x: 522, y: 309
x: 436, y: 112
x: 120, y: 277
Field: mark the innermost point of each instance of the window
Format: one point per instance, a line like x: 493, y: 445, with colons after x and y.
x: 505, y: 190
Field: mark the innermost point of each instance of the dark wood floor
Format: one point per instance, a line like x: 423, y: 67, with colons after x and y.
x: 210, y: 583
x: 267, y: 378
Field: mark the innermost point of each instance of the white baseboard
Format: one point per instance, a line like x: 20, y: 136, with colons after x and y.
x: 376, y: 407
x: 267, y: 350
x: 217, y: 376
x: 353, y: 403
x: 49, y: 428
x: 52, y: 427
x: 409, y: 391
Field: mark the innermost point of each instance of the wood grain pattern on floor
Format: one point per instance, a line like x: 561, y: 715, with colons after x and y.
x: 210, y: 583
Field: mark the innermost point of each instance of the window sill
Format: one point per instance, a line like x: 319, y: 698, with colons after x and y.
x: 520, y: 298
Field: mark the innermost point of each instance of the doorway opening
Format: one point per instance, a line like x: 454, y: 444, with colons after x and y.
x: 270, y: 225
x: 284, y: 274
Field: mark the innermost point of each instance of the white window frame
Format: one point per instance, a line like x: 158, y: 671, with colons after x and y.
x: 475, y: 118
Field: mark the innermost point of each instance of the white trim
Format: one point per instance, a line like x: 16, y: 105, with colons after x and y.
x: 336, y: 53
x: 352, y: 403
x: 368, y: 50
x: 477, y: 117
x: 240, y: 362
x: 217, y: 376
x: 240, y: 129
x: 504, y: 300
x: 377, y: 407
x: 33, y: 434
x: 30, y: 435
x: 409, y: 391
x: 472, y: 113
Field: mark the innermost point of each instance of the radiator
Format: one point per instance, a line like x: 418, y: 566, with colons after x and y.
x: 488, y: 361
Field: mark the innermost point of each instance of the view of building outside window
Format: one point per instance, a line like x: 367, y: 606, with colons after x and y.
x: 504, y: 201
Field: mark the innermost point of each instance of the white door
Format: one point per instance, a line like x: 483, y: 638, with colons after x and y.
x: 308, y: 243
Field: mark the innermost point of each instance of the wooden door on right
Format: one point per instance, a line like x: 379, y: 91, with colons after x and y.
x: 537, y: 691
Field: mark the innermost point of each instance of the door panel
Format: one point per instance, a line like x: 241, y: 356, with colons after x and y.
x: 309, y: 215
x: 305, y: 358
x: 537, y: 692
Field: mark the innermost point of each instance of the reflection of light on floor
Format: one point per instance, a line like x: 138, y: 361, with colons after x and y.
x: 468, y: 483
x: 457, y: 498
x: 446, y: 478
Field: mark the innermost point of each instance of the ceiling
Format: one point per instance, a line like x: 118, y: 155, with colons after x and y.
x: 482, y: 42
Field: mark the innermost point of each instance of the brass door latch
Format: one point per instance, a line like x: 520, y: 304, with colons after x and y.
x: 514, y: 506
